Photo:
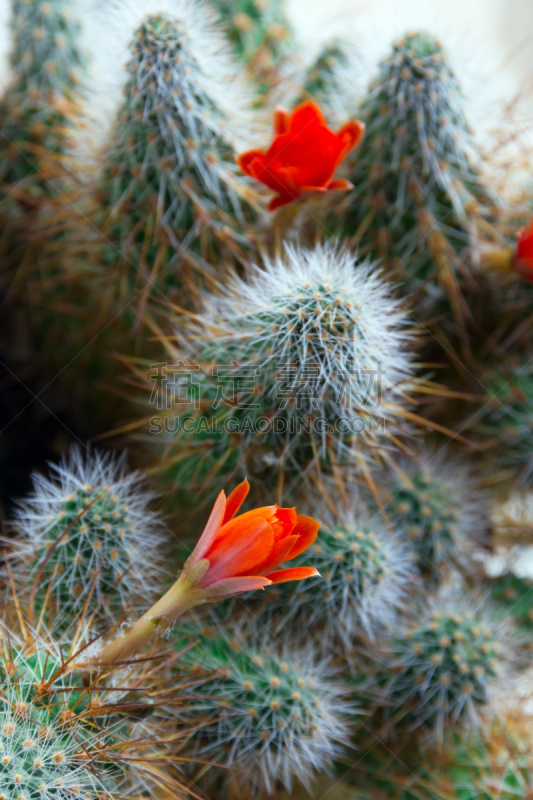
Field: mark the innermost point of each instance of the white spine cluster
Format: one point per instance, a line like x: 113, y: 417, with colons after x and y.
x: 320, y: 323
x: 276, y: 714
x: 113, y: 547
x: 225, y: 107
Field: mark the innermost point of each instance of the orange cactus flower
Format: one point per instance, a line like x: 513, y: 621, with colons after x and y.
x: 523, y: 257
x: 243, y: 552
x: 233, y: 555
x: 303, y: 156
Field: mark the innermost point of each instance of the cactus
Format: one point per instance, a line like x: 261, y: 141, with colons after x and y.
x: 89, y: 536
x: 443, y: 668
x: 435, y: 503
x: 40, y: 747
x: 365, y: 576
x: 418, y: 202
x: 315, y: 359
x: 63, y: 736
x: 171, y: 191
x: 271, y: 716
x: 506, y: 426
x: 260, y: 33
x: 41, y: 103
x: 329, y: 80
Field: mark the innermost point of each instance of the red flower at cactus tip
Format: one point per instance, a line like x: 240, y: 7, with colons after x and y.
x: 303, y: 156
x: 243, y: 552
x: 524, y: 253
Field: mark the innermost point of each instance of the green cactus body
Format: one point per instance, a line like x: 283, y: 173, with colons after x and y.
x: 48, y: 750
x: 273, y: 717
x: 443, y: 669
x: 507, y: 422
x: 329, y: 81
x: 515, y: 595
x: 436, y: 504
x: 305, y: 358
x: 89, y: 538
x: 41, y: 103
x: 426, y: 510
x: 172, y: 192
x: 418, y: 200
x: 260, y: 33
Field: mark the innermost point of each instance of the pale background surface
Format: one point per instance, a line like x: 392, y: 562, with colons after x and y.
x: 491, y: 43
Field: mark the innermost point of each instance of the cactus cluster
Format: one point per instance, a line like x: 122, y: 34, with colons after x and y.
x: 436, y: 504
x: 89, y: 535
x: 419, y: 201
x: 264, y: 297
x: 306, y: 358
x: 443, y: 667
x: 171, y: 190
x: 276, y: 716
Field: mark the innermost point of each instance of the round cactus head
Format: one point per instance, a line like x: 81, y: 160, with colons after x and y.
x: 443, y: 668
x: 365, y: 575
x: 314, y: 349
x: 88, y: 537
x: 436, y: 505
x: 47, y: 750
x: 274, y: 716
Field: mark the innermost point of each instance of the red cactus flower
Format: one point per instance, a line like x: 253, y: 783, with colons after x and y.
x: 243, y: 552
x: 523, y: 257
x: 303, y: 156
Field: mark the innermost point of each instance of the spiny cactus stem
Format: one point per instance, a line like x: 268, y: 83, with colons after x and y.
x: 50, y: 553
x: 181, y: 597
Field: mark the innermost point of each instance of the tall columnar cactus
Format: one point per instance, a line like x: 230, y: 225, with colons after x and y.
x: 88, y: 536
x: 506, y: 424
x: 419, y: 202
x: 436, y: 504
x: 330, y: 80
x: 305, y: 359
x: 260, y: 33
x: 41, y: 102
x: 366, y: 574
x: 271, y: 716
x: 171, y: 189
x: 443, y: 668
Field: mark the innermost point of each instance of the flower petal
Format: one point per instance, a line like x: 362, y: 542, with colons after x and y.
x: 339, y: 185
x: 350, y: 135
x: 240, y: 552
x: 306, y: 529
x: 281, y: 200
x: 281, y: 121
x: 235, y: 500
x: 210, y: 532
x: 305, y: 115
x: 278, y: 554
x: 230, y: 586
x: 292, y: 574
x: 245, y: 160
